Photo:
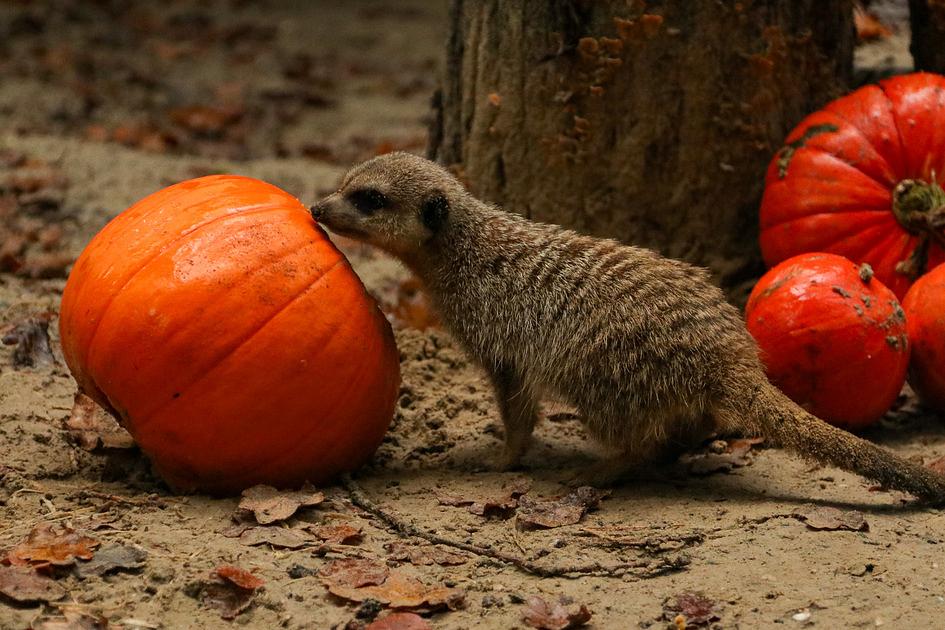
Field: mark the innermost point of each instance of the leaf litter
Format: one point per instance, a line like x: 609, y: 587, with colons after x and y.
x: 112, y: 559
x: 230, y: 591
x: 269, y: 505
x: 31, y: 340
x: 92, y: 427
x: 567, y: 510
x: 501, y: 507
x: 831, y: 519
x: 559, y: 615
x: 423, y: 555
x: 690, y: 609
x: 24, y: 586
x: 53, y: 544
x: 360, y: 579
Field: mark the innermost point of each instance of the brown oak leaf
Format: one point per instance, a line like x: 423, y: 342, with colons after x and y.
x: 559, y: 615
x: 24, y: 586
x: 52, y: 544
x: 269, y: 505
x: 831, y: 519
x: 567, y: 510
x: 92, y: 427
x: 357, y: 579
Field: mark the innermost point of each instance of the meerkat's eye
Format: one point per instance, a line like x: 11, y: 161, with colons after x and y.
x: 367, y: 200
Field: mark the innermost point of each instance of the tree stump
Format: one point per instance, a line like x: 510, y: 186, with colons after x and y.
x: 927, y: 19
x: 653, y: 125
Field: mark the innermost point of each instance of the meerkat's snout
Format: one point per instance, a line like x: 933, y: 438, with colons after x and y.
x: 322, y: 209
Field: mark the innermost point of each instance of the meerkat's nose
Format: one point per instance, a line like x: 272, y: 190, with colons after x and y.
x: 322, y: 207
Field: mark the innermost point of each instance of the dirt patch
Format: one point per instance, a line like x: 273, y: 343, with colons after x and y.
x: 725, y: 543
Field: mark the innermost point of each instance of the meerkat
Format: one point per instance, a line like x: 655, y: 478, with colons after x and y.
x: 645, y: 347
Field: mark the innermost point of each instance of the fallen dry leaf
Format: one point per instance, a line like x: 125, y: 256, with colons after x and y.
x: 721, y: 456
x: 275, y: 536
x: 238, y: 577
x: 354, y: 572
x: 400, y: 621
x: 560, y: 615
x: 357, y: 579
x: 567, y: 510
x: 24, y: 586
x: 31, y: 338
x: 269, y: 505
x: 92, y: 427
x: 72, y: 619
x: 423, y: 555
x: 502, y: 506
x: 831, y: 519
x: 694, y: 608
x: 337, y: 534
x: 112, y: 559
x: 231, y: 593
x: 52, y: 544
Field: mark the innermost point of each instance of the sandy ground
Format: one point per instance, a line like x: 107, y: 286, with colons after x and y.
x: 87, y: 100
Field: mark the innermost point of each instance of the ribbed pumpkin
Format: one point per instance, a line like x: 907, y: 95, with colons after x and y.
x: 862, y: 178
x: 217, y: 321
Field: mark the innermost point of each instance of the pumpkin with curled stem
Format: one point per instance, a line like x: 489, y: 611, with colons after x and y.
x: 863, y: 178
x: 831, y: 336
x: 220, y: 325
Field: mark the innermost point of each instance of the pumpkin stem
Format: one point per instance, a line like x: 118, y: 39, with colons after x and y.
x: 920, y: 208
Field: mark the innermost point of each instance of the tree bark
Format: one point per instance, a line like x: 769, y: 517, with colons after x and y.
x: 653, y: 126
x: 927, y: 19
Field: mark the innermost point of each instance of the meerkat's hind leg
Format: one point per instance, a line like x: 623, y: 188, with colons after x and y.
x: 519, y: 409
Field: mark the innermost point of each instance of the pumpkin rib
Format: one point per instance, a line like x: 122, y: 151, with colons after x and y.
x: 300, y: 442
x: 180, y: 237
x: 869, y: 140
x: 312, y: 285
x: 258, y: 270
x: 895, y: 118
x: 880, y: 214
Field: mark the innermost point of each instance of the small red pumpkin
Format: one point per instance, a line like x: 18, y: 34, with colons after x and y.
x: 216, y: 320
x: 862, y: 178
x: 832, y: 337
x: 925, y: 320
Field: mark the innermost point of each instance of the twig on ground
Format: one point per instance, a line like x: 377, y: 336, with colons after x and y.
x: 404, y: 528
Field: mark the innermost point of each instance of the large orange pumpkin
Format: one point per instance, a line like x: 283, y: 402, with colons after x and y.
x: 216, y: 320
x: 863, y: 178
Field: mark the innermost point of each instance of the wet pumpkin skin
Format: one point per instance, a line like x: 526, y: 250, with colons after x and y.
x: 925, y: 320
x: 862, y: 178
x: 231, y: 338
x: 832, y: 338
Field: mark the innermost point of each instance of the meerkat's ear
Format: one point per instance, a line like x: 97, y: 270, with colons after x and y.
x: 434, y: 210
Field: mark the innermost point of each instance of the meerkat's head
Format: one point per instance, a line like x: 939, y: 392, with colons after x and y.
x: 398, y: 202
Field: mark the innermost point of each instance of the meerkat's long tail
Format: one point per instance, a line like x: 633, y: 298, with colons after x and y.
x: 786, y: 424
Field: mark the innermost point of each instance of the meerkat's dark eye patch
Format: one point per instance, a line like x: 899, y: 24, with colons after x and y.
x: 367, y: 200
x: 434, y: 210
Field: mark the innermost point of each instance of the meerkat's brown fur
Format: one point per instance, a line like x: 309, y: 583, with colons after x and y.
x: 646, y: 347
